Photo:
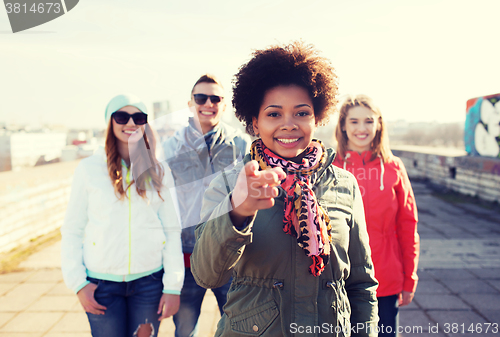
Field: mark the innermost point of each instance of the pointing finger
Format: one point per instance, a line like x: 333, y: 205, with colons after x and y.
x: 280, y: 172
x: 251, y: 168
x: 269, y: 177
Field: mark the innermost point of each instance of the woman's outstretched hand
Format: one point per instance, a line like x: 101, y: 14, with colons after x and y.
x: 89, y: 304
x: 169, y: 305
x: 254, y: 190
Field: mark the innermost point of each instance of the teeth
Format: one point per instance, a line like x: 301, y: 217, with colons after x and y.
x: 129, y: 132
x: 288, y: 141
x: 206, y: 113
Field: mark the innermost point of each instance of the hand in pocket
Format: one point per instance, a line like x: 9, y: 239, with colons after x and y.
x: 89, y: 304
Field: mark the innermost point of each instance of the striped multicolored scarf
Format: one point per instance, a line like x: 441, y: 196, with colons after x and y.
x: 303, y: 217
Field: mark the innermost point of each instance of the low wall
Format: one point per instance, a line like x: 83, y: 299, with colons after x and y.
x: 33, y: 202
x: 474, y: 176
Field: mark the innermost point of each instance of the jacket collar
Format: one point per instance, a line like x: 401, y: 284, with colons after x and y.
x: 355, y: 157
x: 193, y: 139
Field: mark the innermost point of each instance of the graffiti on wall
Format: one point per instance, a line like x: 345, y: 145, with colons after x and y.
x: 482, y: 126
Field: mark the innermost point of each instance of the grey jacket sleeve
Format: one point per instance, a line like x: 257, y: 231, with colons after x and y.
x: 219, y: 244
x: 243, y: 143
x: 361, y: 284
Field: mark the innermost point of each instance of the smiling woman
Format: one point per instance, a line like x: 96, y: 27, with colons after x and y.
x: 286, y: 121
x: 128, y: 128
x: 390, y: 209
x: 287, y: 226
x: 121, y: 249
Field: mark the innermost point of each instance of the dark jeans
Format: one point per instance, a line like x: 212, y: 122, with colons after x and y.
x: 388, y: 309
x: 129, y: 304
x: 186, y: 319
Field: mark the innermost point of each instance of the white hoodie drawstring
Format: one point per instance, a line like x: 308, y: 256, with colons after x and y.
x: 381, y: 173
x: 347, y: 155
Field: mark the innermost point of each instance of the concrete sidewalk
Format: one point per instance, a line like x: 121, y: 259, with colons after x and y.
x: 36, y: 303
x: 459, y: 287
x: 459, y: 270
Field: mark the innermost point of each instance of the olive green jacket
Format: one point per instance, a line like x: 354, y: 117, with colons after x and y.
x: 273, y: 292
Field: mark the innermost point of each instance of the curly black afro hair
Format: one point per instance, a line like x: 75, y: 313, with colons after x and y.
x: 293, y: 64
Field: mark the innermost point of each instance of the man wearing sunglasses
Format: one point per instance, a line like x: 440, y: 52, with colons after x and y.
x: 196, y: 154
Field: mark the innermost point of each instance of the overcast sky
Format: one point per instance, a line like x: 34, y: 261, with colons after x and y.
x: 420, y: 60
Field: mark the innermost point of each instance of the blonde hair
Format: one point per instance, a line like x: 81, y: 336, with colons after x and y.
x: 380, y: 144
x: 151, y: 177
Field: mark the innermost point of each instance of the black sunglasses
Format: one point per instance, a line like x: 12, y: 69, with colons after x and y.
x: 200, y: 99
x: 122, y: 117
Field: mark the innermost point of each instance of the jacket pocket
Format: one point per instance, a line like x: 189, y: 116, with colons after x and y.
x: 255, y: 321
x: 185, y: 169
x: 224, y: 160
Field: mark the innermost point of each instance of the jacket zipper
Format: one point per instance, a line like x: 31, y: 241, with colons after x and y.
x: 367, y: 199
x: 127, y: 180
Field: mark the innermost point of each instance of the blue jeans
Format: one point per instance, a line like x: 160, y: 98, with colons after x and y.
x: 186, y: 319
x: 129, y: 304
x: 388, y: 309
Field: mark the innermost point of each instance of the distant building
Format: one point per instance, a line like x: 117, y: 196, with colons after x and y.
x: 165, y: 121
x: 161, y: 109
x: 24, y: 149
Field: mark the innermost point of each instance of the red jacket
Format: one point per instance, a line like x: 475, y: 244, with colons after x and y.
x: 391, y: 219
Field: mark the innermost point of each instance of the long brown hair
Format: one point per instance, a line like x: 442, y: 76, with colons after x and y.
x: 379, y: 145
x: 152, y: 175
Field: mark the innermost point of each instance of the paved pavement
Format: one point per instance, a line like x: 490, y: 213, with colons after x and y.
x: 459, y: 270
x: 458, y: 291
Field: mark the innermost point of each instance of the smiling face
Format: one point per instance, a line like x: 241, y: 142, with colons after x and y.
x: 128, y: 133
x: 361, y: 126
x: 207, y: 114
x: 286, y: 121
